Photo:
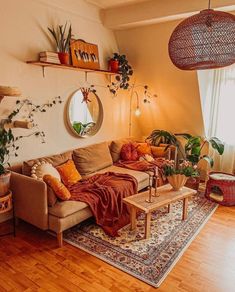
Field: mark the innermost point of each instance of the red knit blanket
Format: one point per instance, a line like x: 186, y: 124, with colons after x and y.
x: 104, y: 194
x: 146, y: 166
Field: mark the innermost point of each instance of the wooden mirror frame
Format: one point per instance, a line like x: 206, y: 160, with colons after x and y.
x: 99, y: 122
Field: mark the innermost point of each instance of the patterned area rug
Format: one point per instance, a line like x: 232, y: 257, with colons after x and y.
x: 152, y: 259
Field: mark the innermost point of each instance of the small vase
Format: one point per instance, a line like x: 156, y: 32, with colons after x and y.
x: 64, y: 58
x: 113, y: 66
x: 177, y: 181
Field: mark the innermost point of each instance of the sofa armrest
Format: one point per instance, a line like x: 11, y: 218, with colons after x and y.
x: 173, y: 151
x: 30, y: 199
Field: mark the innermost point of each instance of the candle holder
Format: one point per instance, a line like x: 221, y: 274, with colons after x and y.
x: 150, y: 199
x: 155, y: 176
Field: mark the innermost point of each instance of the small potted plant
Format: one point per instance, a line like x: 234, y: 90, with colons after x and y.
x: 119, y: 64
x: 62, y: 40
x: 178, y: 175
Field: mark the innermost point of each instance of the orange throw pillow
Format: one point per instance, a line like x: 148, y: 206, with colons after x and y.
x: 143, y: 149
x: 69, y: 173
x: 59, y: 189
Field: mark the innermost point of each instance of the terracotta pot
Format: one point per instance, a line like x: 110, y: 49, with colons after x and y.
x: 113, y: 66
x: 4, y: 183
x: 64, y: 58
x: 177, y: 181
x: 193, y: 183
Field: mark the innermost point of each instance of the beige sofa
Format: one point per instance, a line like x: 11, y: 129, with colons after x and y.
x: 36, y: 203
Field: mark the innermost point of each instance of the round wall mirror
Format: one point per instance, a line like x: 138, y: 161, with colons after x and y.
x: 84, y: 113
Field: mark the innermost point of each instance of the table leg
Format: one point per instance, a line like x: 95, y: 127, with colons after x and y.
x: 169, y: 208
x: 147, y: 225
x: 133, y: 218
x: 185, y: 209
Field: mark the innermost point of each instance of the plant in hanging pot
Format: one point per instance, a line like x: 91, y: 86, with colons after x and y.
x: 62, y: 37
x: 120, y: 65
x: 178, y: 175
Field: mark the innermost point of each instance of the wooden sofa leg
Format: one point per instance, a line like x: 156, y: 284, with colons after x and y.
x: 60, y: 239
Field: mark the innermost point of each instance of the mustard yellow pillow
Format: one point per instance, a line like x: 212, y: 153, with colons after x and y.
x: 59, y: 189
x: 69, y: 173
x: 159, y: 151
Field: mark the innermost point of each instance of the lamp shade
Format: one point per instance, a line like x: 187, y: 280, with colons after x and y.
x: 204, y: 41
x: 9, y: 91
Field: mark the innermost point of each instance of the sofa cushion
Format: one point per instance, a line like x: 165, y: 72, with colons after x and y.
x: 51, y: 197
x: 143, y: 148
x: 57, y: 186
x: 92, y: 158
x: 141, y: 177
x: 66, y: 208
x: 158, y: 151
x: 41, y: 168
x: 116, y: 146
x: 55, y: 160
x: 69, y: 173
x: 129, y: 152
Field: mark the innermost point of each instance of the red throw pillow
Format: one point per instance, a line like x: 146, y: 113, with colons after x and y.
x: 129, y: 152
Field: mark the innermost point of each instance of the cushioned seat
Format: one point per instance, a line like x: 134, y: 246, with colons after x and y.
x: 141, y: 177
x: 66, y: 208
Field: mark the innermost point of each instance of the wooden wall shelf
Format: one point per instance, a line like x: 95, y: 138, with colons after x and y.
x: 69, y: 67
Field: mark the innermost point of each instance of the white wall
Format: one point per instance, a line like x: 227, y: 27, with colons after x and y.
x: 23, y: 31
x: 178, y: 106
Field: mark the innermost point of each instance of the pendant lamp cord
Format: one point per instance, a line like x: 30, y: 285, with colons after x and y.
x: 209, y: 5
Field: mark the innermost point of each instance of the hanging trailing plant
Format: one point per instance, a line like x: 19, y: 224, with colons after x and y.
x: 125, y: 71
x: 8, y: 142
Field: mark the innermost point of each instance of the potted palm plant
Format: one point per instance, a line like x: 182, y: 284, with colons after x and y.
x: 62, y: 37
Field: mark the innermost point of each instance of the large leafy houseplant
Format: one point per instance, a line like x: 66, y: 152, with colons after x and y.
x: 194, y: 147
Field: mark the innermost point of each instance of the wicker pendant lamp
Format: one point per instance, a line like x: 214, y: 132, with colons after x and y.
x: 204, y: 41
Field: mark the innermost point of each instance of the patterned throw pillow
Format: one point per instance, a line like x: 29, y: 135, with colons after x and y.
x: 69, y: 173
x: 59, y: 189
x: 129, y: 152
x: 39, y: 169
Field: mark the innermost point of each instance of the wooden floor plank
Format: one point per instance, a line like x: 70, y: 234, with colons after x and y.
x: 33, y: 262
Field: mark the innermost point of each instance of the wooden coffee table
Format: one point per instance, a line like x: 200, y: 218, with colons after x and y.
x: 166, y: 196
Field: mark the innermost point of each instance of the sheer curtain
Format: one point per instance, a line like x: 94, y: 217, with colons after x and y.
x: 217, y: 90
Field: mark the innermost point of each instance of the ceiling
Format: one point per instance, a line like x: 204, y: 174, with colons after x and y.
x: 113, y: 3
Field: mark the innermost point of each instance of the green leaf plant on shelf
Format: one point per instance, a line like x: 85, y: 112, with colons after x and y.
x: 123, y: 78
x: 62, y: 36
x: 8, y: 142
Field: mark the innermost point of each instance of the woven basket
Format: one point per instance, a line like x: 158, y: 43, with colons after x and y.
x: 203, y: 41
x: 6, y: 203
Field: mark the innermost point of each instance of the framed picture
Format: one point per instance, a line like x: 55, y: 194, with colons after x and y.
x: 84, y: 55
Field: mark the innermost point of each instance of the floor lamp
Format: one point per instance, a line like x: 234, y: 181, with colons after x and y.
x: 137, y: 109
